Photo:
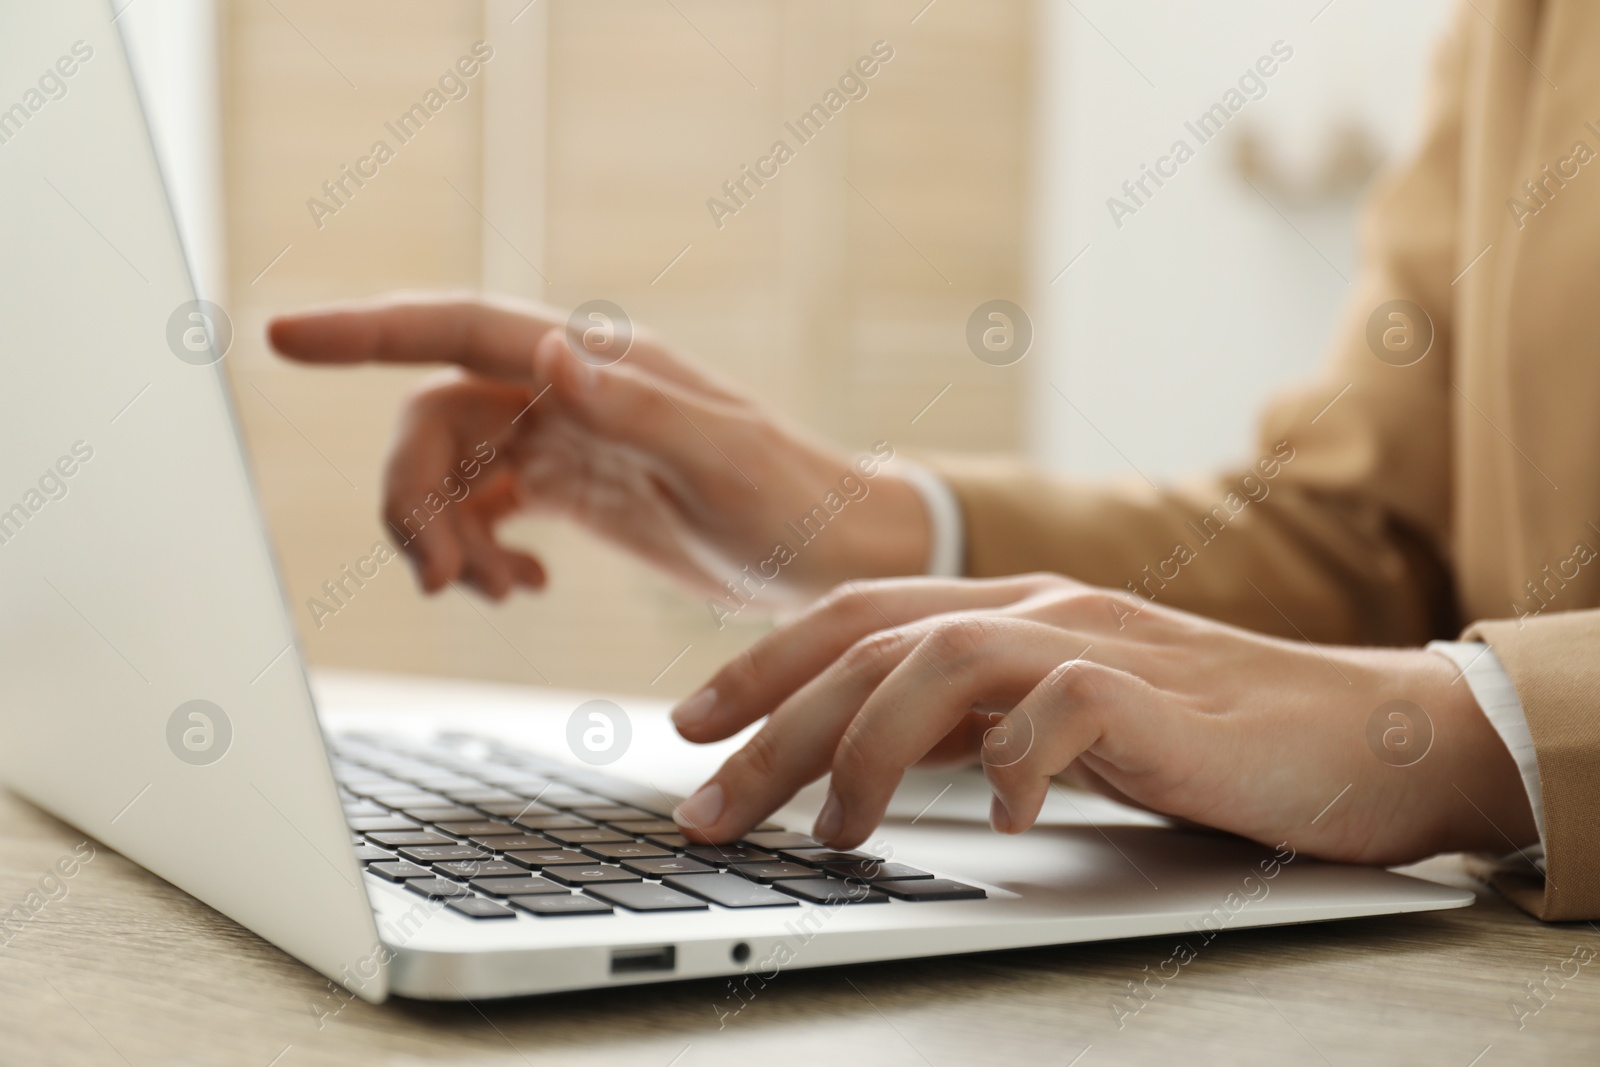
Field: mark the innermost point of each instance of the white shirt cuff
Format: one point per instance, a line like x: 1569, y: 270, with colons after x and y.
x: 946, y: 527
x: 1491, y: 687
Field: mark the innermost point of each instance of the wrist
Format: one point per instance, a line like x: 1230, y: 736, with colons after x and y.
x: 892, y: 536
x: 845, y: 519
x: 1479, y: 801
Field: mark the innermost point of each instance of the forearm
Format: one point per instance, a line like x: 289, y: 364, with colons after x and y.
x: 1252, y: 550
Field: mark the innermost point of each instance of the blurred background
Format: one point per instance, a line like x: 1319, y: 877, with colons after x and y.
x: 579, y: 163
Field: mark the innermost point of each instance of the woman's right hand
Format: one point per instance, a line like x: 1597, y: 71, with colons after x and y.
x: 648, y: 451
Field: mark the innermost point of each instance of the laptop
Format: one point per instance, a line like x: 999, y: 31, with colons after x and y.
x: 152, y: 695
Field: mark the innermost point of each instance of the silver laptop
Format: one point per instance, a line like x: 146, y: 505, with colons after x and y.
x: 151, y: 694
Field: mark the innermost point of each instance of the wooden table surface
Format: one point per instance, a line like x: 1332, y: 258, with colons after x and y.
x: 126, y: 969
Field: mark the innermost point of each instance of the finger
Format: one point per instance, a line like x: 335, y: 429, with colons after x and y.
x: 1064, y: 717
x: 490, y: 566
x: 496, y: 497
x: 493, y: 339
x: 435, y: 449
x: 964, y: 661
x: 796, y: 745
x: 527, y: 569
x: 1079, y: 776
x: 496, y: 338
x: 484, y: 565
x: 961, y: 745
x: 432, y: 547
x: 773, y: 669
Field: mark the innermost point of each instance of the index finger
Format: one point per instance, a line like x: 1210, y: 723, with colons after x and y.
x: 965, y: 661
x: 770, y: 671
x: 493, y: 339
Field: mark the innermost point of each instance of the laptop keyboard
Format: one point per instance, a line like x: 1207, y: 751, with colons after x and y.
x: 494, y: 833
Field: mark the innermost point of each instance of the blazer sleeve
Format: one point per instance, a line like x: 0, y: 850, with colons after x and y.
x: 1554, y: 662
x: 1344, y: 542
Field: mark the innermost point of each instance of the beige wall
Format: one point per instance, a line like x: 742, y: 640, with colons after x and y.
x: 844, y: 307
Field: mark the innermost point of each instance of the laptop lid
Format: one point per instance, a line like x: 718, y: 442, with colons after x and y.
x: 150, y: 691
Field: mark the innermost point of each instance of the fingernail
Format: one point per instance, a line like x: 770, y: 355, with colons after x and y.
x: 701, y: 810
x: 695, y: 710
x: 829, y: 819
x: 999, y: 817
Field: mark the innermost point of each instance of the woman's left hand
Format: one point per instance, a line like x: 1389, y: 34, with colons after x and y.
x: 1039, y: 676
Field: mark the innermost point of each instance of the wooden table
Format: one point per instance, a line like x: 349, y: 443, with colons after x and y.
x: 127, y: 969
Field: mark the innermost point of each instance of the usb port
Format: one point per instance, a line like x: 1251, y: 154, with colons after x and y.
x: 643, y: 960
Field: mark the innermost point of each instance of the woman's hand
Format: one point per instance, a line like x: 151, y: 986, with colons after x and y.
x: 646, y: 450
x: 1040, y: 675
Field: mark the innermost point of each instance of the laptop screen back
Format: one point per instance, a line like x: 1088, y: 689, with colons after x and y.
x: 150, y: 693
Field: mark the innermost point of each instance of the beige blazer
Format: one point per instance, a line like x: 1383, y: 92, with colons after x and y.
x: 1432, y: 488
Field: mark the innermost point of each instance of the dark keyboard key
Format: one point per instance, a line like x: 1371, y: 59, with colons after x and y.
x: 767, y: 873
x: 411, y: 799
x: 513, y: 809
x: 672, y: 841
x: 831, y: 891
x: 774, y: 840
x: 594, y: 874
x: 532, y: 792
x: 728, y: 890
x: 610, y: 813
x: 564, y: 904
x: 364, y: 809
x: 821, y: 857
x: 464, y: 869
x: 516, y: 886
x: 620, y: 850
x: 371, y: 854
x: 655, y: 807
x: 648, y: 799
x: 541, y: 823
x: 393, y: 797
x: 480, y: 828
x: 478, y: 908
x: 657, y: 868
x: 524, y: 780
x: 395, y: 839
x: 497, y: 771
x: 398, y: 870
x: 371, y: 824
x: 441, y: 853
x: 874, y: 871
x: 538, y: 859
x: 647, y: 896
x: 440, y: 782
x: 722, y: 855
x: 639, y: 829
x: 445, y: 813
x: 437, y: 888
x: 930, y: 889
x: 567, y: 798
x: 511, y: 842
x: 515, y: 779
x: 481, y: 795
x: 593, y: 835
